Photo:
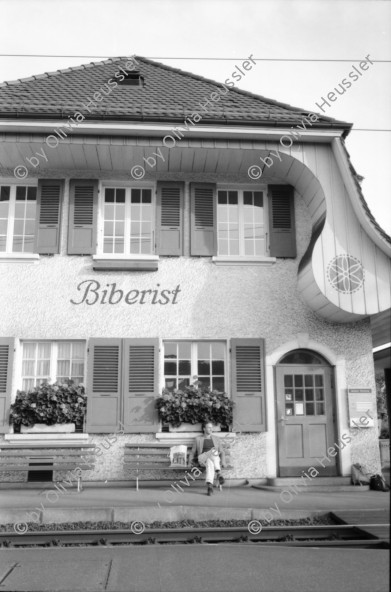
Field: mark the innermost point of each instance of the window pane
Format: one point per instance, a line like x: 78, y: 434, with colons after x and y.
x: 248, y: 198
x: 78, y: 351
x: 203, y: 367
x: 170, y: 350
x: 218, y: 351
x: 28, y: 368
x: 218, y: 367
x: 28, y: 384
x: 309, y: 409
x: 288, y: 380
x: 5, y: 193
x: 77, y: 369
x: 44, y: 350
x: 218, y: 384
x: 319, y: 394
x: 136, y: 196
x: 43, y: 368
x: 29, y: 350
x: 184, y: 350
x: 309, y: 394
x: 318, y: 380
x: 170, y: 383
x: 63, y: 368
x: 109, y: 195
x: 109, y: 228
x: 298, y: 380
x: 170, y: 368
x: 299, y: 395
x: 222, y: 197
x: 258, y: 199
x: 320, y: 409
x: 184, y: 367
x: 20, y: 193
x: 232, y: 197
x: 203, y: 351
x: 64, y: 350
x: 308, y: 380
x: 32, y: 193
x: 147, y: 196
x: 120, y: 196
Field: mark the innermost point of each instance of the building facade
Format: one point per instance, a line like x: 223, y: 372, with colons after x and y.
x: 166, y: 235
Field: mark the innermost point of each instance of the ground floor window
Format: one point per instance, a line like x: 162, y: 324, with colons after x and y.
x: 187, y: 361
x: 52, y: 361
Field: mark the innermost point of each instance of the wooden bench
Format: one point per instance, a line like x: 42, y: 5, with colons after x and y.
x: 156, y: 457
x: 47, y: 456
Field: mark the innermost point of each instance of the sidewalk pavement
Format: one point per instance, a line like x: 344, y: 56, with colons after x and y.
x: 213, y: 568
x: 153, y: 503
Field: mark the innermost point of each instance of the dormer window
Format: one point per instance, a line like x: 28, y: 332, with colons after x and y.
x: 132, y: 79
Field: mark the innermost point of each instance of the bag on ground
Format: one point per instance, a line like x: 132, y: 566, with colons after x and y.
x: 378, y: 483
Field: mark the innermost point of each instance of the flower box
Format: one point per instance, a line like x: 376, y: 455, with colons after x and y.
x: 187, y: 427
x: 42, y: 428
x: 192, y: 427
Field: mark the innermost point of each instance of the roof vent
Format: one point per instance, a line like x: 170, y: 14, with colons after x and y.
x: 132, y: 78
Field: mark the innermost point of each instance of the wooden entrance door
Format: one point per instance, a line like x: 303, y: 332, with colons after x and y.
x: 305, y: 416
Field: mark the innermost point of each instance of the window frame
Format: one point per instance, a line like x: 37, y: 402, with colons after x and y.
x: 53, y: 358
x: 194, y: 359
x: 9, y: 253
x: 242, y: 257
x: 128, y: 186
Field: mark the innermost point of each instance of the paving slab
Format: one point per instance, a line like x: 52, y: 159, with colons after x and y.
x: 194, y: 568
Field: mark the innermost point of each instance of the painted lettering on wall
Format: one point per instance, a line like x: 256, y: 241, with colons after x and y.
x: 91, y: 292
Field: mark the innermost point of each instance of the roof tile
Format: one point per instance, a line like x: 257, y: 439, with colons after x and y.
x: 168, y: 93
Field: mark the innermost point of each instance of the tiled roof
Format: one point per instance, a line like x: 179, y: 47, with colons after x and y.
x: 169, y: 94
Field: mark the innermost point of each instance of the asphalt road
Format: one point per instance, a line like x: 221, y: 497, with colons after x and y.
x: 212, y: 568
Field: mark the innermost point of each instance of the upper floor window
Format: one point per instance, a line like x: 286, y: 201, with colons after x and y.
x: 241, y: 227
x: 18, y: 208
x: 186, y: 361
x: 128, y: 221
x: 52, y: 361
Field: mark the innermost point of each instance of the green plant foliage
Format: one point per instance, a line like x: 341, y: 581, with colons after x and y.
x: 194, y: 404
x: 381, y: 400
x: 49, y: 404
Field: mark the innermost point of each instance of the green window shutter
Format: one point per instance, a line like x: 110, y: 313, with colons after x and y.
x: 140, y: 379
x: 104, y: 385
x: 248, y: 384
x: 6, y: 361
x: 170, y: 218
x: 49, y: 199
x: 282, y: 221
x: 83, y: 208
x: 203, y: 230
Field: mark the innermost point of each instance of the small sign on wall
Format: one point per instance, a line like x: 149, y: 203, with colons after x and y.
x: 361, y: 407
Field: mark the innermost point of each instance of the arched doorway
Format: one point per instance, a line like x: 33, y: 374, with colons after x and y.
x: 305, y: 413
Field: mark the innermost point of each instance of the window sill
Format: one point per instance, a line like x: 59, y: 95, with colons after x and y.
x: 137, y: 263
x: 19, y: 258
x: 244, y: 260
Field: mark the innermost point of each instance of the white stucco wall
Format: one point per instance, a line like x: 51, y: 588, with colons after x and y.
x: 214, y: 302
